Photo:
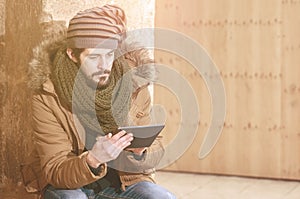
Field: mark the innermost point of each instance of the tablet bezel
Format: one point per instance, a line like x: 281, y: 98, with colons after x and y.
x: 144, y: 136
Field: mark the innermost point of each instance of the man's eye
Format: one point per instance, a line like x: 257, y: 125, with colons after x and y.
x: 93, y: 57
x: 110, y: 54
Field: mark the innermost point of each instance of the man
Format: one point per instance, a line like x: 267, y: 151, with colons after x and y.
x: 82, y: 95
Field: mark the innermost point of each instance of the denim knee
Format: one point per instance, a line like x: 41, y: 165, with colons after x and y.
x: 75, y: 194
x: 148, y: 190
x: 52, y: 193
x: 161, y: 195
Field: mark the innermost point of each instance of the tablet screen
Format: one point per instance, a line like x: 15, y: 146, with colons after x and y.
x: 143, y: 135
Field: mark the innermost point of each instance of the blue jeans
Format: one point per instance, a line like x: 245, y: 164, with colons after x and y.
x: 141, y: 190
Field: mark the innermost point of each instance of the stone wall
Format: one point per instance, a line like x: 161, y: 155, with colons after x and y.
x: 2, y: 17
x: 139, y: 13
x: 19, y: 34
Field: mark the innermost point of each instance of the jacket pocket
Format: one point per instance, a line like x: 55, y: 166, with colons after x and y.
x: 32, y: 175
x: 30, y: 179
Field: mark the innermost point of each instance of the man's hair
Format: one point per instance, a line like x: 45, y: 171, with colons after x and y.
x: 76, y: 52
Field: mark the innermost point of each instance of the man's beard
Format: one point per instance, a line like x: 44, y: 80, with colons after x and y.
x: 102, y: 83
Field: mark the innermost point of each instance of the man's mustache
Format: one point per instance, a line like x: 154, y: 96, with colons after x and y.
x: 101, y: 72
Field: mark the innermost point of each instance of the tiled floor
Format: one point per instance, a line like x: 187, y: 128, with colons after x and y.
x: 195, y: 186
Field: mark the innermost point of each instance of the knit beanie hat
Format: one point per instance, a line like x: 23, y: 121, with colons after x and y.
x: 99, y: 27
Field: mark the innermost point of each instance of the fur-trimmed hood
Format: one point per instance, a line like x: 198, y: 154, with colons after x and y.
x: 54, y: 34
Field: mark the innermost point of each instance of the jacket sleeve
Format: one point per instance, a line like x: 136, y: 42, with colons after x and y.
x: 127, y: 161
x: 61, y: 166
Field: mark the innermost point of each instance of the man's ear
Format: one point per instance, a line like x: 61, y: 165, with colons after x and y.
x: 70, y: 54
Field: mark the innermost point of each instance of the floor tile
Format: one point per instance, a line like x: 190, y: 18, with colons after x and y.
x: 194, y: 186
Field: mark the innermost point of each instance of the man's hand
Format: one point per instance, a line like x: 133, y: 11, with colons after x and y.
x: 137, y: 151
x: 108, y: 148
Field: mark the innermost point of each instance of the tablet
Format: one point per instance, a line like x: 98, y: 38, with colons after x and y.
x: 143, y: 135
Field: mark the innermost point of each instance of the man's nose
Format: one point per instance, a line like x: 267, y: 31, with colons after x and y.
x: 102, y: 62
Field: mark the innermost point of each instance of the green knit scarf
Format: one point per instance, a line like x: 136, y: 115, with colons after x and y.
x: 100, y: 109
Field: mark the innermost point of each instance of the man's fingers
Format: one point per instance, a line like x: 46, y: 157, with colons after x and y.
x: 124, y: 140
x: 119, y: 135
x: 109, y: 147
x: 123, y: 145
x: 115, y: 144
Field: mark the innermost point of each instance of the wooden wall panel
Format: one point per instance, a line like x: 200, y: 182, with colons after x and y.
x: 291, y: 88
x: 255, y: 45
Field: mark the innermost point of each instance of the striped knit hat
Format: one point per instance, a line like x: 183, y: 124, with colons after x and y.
x: 99, y: 27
